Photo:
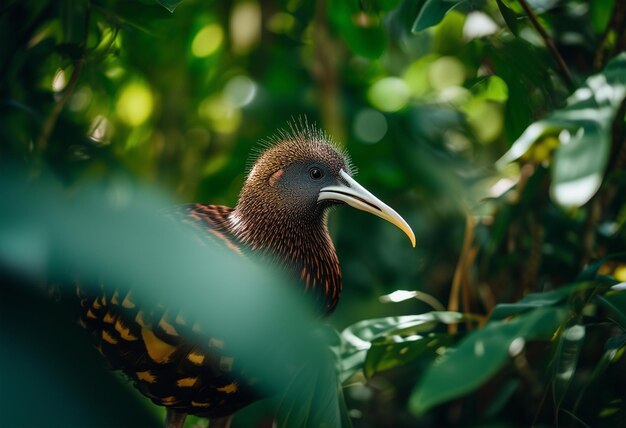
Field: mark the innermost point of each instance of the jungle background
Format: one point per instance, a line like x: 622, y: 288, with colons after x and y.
x: 495, y: 128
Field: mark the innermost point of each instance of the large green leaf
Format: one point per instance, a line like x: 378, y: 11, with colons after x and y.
x: 359, y: 338
x: 583, y: 128
x: 480, y: 356
x: 387, y: 353
x: 433, y: 12
x: 313, y: 399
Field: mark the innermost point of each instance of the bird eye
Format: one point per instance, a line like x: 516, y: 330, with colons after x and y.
x: 315, y: 173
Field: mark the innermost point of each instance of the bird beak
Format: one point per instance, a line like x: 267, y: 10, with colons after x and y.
x: 357, y: 196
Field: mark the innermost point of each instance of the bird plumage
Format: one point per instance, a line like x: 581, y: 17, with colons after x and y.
x: 281, y: 219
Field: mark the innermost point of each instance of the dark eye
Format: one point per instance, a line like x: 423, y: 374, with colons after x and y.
x: 315, y: 173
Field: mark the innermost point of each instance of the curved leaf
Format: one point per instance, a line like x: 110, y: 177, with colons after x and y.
x: 433, y: 12
x: 584, y: 131
x: 391, y: 352
x: 479, y: 356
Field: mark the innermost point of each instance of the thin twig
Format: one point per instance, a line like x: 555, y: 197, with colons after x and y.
x: 565, y: 73
x: 53, y: 117
x: 461, y: 270
x: 615, y: 26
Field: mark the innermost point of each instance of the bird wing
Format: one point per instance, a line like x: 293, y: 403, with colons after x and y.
x: 213, y: 221
x: 168, y: 357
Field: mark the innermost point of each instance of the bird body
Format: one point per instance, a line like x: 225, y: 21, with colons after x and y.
x: 280, y: 218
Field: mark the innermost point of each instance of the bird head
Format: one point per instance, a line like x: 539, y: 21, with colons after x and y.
x: 299, y: 176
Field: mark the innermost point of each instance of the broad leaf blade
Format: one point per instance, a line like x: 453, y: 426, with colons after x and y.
x: 584, y: 130
x: 479, y: 356
x: 391, y: 352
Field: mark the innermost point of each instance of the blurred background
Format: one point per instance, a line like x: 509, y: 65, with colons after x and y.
x: 426, y: 96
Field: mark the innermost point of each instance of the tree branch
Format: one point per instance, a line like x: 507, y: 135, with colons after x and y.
x: 565, y: 73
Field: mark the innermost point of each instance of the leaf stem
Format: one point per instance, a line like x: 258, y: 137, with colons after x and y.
x: 565, y: 73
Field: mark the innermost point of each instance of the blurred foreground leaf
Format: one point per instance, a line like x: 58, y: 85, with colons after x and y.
x: 118, y: 234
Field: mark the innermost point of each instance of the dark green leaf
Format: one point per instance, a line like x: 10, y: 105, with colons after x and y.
x: 566, y: 360
x: 387, y: 353
x: 600, y: 12
x: 480, y: 355
x: 590, y: 271
x: 510, y: 17
x: 614, y: 302
x: 313, y: 399
x: 535, y: 300
x: 433, y: 12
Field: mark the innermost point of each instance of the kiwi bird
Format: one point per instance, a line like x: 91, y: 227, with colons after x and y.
x: 281, y: 217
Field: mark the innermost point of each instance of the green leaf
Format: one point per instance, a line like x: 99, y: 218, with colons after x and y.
x: 510, y: 17
x: 570, y: 344
x: 614, y: 302
x: 590, y: 271
x: 387, y: 353
x: 600, y: 12
x: 584, y: 131
x: 534, y: 301
x: 433, y: 12
x: 314, y: 398
x: 359, y: 337
x: 480, y: 356
x: 169, y: 4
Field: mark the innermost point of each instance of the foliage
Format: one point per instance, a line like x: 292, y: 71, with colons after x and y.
x: 497, y: 128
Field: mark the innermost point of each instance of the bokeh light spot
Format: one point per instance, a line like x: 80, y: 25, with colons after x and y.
x: 478, y: 24
x: 81, y: 98
x: 245, y: 26
x: 59, y: 81
x: 100, y: 130
x: 486, y: 119
x: 135, y: 104
x: 207, y: 41
x: 281, y: 23
x: 370, y: 126
x: 240, y: 91
x: 389, y: 94
x: 222, y: 116
x: 446, y: 71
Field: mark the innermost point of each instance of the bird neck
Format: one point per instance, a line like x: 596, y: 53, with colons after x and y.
x: 300, y: 247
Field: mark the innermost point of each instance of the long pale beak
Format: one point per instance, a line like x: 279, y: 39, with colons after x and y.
x: 357, y: 196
